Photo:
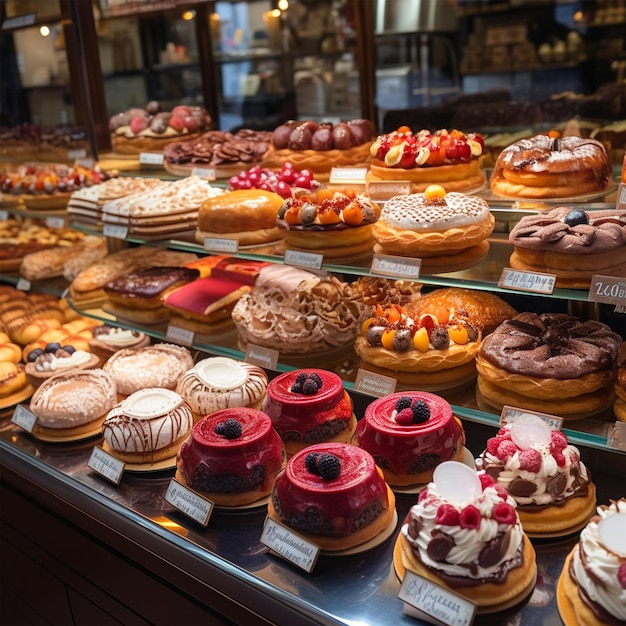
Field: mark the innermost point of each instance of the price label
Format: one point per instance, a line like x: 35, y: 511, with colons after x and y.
x: 189, y: 502
x: 55, y: 222
x: 289, y: 545
x: 115, y: 231
x: 511, y: 414
x: 181, y: 336
x: 396, y: 267
x: 23, y: 284
x: 151, y: 158
x: 106, y: 465
x: 527, y: 281
x: 374, y: 384
x: 4, y: 216
x: 74, y: 155
x: 347, y: 175
x: 84, y: 162
x: 386, y: 189
x: 426, y: 600
x: 23, y: 418
x: 261, y: 356
x: 608, y: 289
x: 208, y: 173
x: 307, y: 260
x: 221, y: 245
x: 616, y: 437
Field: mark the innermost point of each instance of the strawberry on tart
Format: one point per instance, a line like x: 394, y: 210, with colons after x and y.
x: 449, y: 158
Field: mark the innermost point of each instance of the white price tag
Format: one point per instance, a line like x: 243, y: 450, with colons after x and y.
x: 221, y: 245
x: 261, y: 356
x: 434, y: 603
x: 208, y: 173
x: 386, y: 189
x: 347, y: 175
x: 23, y: 284
x: 23, y: 418
x: 181, y: 336
x: 4, y: 215
x: 289, y: 545
x: 374, y: 384
x: 151, y: 158
x: 115, y: 231
x: 55, y: 222
x: 106, y: 465
x: 396, y: 266
x: 189, y: 502
x: 306, y: 260
x: 527, y: 281
x: 79, y: 153
x: 512, y: 414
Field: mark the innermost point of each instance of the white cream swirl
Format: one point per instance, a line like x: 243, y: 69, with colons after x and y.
x: 599, y: 578
x: 119, y: 337
x: 548, y: 471
x: 463, y: 557
x: 53, y: 364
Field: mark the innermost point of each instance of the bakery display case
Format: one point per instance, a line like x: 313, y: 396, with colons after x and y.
x: 104, y: 551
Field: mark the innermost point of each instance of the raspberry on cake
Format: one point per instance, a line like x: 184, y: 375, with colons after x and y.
x: 309, y: 406
x: 464, y: 534
x: 409, y: 434
x: 592, y: 587
x: 543, y: 474
x: 334, y: 495
x: 449, y: 158
x: 232, y: 456
x: 436, y: 350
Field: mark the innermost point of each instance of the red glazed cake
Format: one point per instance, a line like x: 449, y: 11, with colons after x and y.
x: 334, y: 495
x: 409, y: 434
x: 232, y: 456
x: 309, y: 406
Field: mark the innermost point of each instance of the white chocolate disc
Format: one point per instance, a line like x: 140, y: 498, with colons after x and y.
x: 530, y: 432
x: 150, y: 402
x: 221, y: 373
x: 612, y: 533
x: 457, y: 482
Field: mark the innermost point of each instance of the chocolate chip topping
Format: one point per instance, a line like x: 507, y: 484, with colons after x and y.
x: 522, y: 488
x: 439, y: 546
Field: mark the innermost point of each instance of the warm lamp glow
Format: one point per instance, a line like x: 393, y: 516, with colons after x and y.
x: 578, y: 16
x: 189, y: 15
x: 283, y: 5
x: 44, y: 31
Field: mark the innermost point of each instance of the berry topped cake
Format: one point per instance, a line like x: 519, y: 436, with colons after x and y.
x: 309, y: 406
x: 409, y: 434
x: 464, y: 534
x: 543, y: 474
x: 446, y: 157
x: 334, y: 495
x: 592, y: 587
x: 232, y: 456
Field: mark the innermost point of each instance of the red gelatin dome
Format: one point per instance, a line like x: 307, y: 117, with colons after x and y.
x: 237, y: 470
x: 302, y: 419
x: 335, y: 508
x: 409, y: 452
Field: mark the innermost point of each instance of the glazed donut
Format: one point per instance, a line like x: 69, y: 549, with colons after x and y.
x: 219, y: 383
x: 433, y: 223
x: 336, y: 222
x: 546, y: 167
x: 249, y: 215
x: 449, y: 158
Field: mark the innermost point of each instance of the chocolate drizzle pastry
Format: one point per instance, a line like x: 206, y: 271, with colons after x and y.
x: 557, y: 346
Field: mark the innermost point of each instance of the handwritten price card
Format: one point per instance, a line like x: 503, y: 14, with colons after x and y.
x: 608, y: 289
x: 106, y: 465
x: 189, y: 502
x: 289, y: 545
x: 527, y: 281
